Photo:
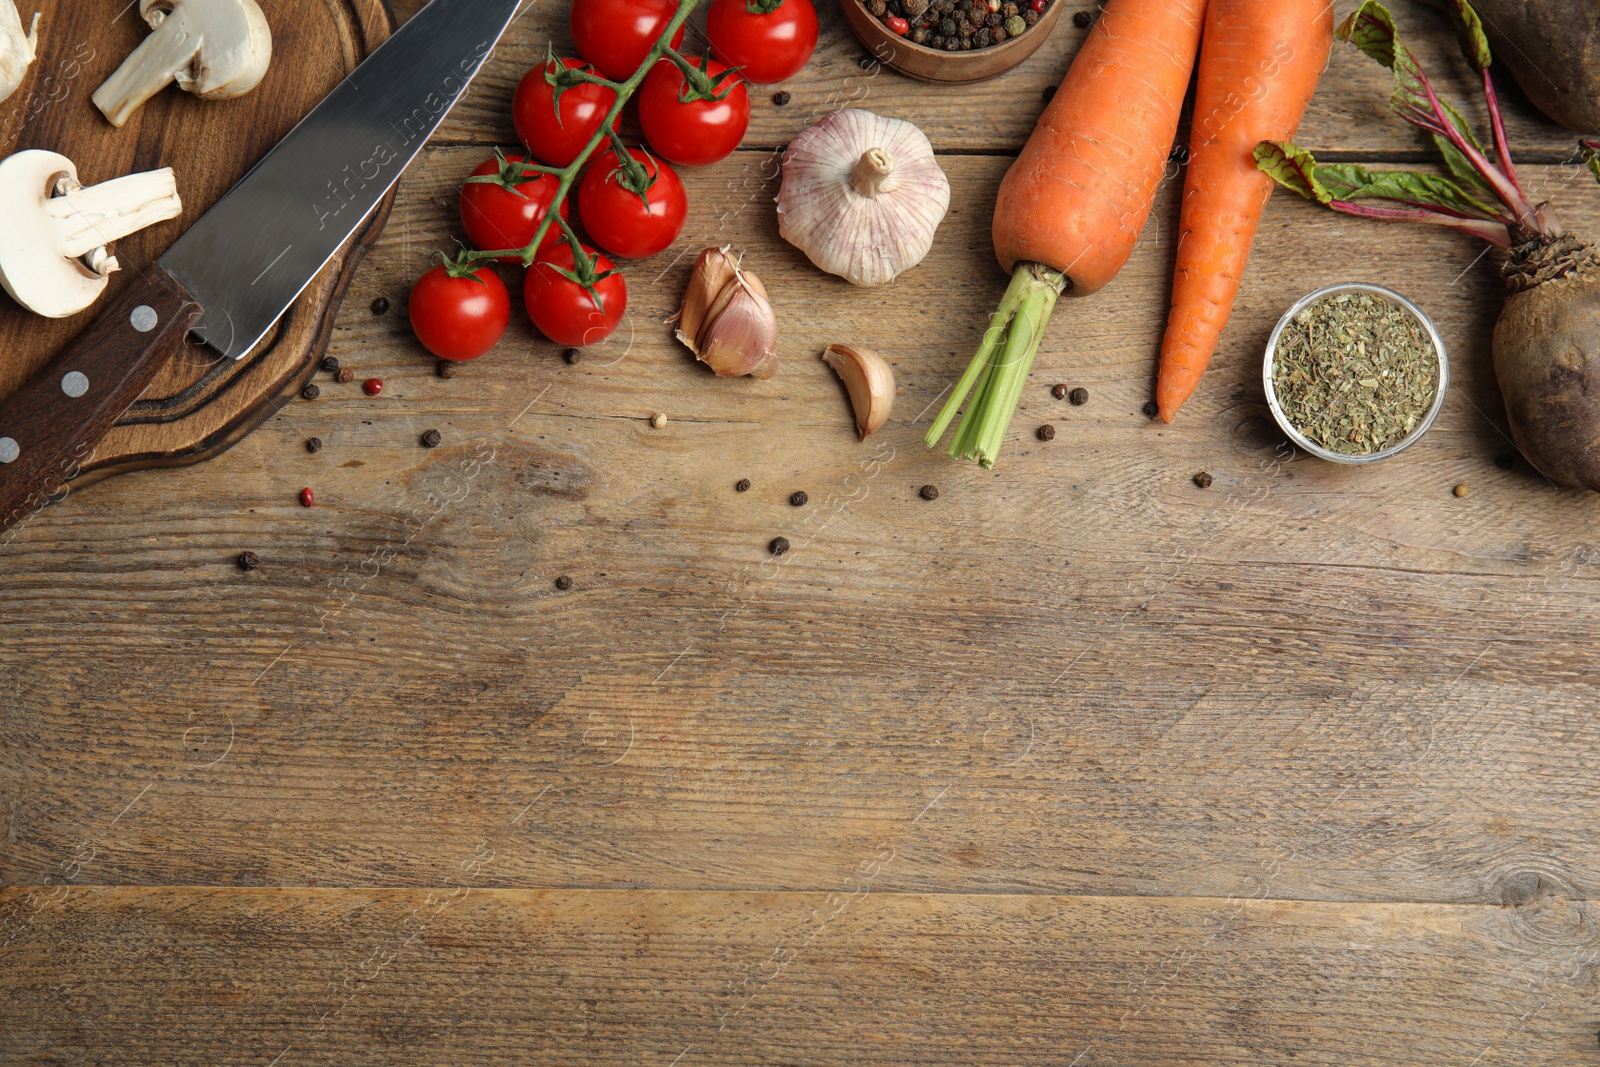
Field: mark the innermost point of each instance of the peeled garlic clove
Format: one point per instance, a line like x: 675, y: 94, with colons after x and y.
x: 712, y: 272
x: 741, y: 337
x: 862, y: 196
x: 869, y: 380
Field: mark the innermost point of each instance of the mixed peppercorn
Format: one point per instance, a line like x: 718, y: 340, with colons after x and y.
x: 958, y: 25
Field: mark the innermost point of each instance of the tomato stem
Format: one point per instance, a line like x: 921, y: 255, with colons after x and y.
x: 567, y: 175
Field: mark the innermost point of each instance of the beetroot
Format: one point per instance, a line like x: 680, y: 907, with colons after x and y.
x: 1547, y: 342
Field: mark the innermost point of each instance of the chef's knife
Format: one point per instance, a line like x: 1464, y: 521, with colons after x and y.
x: 237, y: 270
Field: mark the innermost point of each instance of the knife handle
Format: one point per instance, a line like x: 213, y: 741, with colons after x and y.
x: 50, y: 427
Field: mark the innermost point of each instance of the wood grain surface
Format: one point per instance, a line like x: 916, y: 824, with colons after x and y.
x: 199, y: 404
x: 1076, y: 764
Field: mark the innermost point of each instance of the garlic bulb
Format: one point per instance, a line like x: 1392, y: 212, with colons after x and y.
x: 862, y: 196
x: 726, y: 319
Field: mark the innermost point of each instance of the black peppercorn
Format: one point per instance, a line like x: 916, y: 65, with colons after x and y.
x: 948, y: 28
x: 1083, y: 20
x: 878, y: 8
x: 781, y: 98
x: 311, y: 392
x: 431, y: 439
x: 920, y: 35
x: 993, y: 19
x: 997, y: 34
x: 1046, y: 432
x: 1151, y: 409
x: 799, y: 499
x: 1203, y: 479
x: 249, y: 561
x: 1009, y: 9
x: 313, y: 444
x: 778, y: 546
x: 1079, y: 396
x: 937, y: 42
x: 1058, y: 391
x: 380, y: 306
x: 742, y: 485
x: 330, y: 364
x: 573, y: 355
x: 564, y: 583
x: 1031, y: 17
x: 930, y: 492
x: 344, y: 375
x: 952, y: 44
x: 981, y: 38
x: 1505, y: 462
x: 445, y: 368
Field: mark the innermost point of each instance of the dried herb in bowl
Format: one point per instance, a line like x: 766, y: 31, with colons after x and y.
x: 1355, y: 373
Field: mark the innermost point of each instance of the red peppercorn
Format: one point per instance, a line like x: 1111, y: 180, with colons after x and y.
x: 372, y: 386
x: 1038, y: 5
x: 307, y: 497
x: 898, y: 25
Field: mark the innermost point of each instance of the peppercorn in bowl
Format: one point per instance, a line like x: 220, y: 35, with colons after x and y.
x: 952, y: 41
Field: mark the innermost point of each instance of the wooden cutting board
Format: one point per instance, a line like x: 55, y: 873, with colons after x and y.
x: 200, y: 404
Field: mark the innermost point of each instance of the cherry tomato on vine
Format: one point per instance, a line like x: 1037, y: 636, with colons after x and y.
x: 553, y: 140
x: 560, y: 305
x: 459, y: 313
x: 612, y: 211
x: 693, y: 121
x: 768, y: 40
x: 496, y: 216
x: 616, y: 35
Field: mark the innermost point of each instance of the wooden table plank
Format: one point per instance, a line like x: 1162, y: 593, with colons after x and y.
x: 1390, y: 682
x: 463, y: 974
x: 1349, y: 114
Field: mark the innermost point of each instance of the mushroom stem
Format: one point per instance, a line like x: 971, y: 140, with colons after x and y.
x: 92, y: 217
x: 872, y: 172
x: 151, y: 67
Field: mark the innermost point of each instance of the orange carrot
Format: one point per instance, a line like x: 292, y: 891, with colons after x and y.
x: 1072, y: 206
x: 1259, y: 64
x: 1078, y: 196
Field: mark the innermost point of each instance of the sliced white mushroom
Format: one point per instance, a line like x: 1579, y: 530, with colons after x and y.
x: 215, y: 49
x: 54, y: 254
x: 17, y: 49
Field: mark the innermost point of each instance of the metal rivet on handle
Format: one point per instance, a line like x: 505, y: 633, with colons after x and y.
x: 9, y: 449
x: 144, y: 318
x: 74, y: 383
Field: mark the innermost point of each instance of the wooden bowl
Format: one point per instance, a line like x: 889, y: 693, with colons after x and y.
x: 950, y: 68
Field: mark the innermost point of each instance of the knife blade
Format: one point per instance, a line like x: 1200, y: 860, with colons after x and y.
x: 236, y: 271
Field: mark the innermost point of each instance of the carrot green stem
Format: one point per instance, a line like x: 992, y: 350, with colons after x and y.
x: 997, y: 374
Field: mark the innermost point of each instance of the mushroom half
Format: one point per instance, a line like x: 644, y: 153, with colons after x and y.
x: 54, y: 258
x: 17, y: 49
x: 215, y: 49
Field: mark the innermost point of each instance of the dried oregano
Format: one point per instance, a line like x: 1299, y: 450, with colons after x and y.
x: 1355, y: 373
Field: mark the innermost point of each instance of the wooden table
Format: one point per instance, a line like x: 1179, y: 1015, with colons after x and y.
x: 1076, y: 764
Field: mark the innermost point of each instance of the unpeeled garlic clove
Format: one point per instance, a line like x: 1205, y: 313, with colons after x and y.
x: 726, y: 319
x: 869, y: 380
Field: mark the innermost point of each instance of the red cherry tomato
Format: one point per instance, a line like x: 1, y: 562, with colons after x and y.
x: 565, y: 311
x: 616, y: 35
x: 768, y: 40
x: 583, y: 108
x: 695, y: 132
x: 898, y: 25
x: 618, y: 220
x: 497, y: 217
x: 458, y: 318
